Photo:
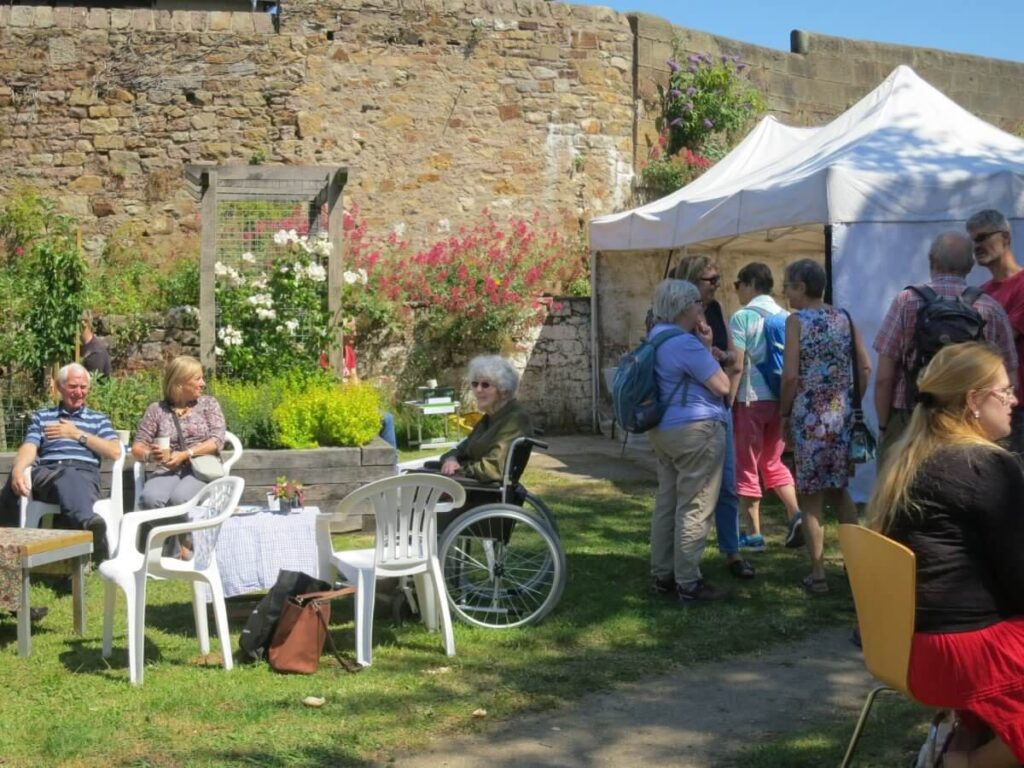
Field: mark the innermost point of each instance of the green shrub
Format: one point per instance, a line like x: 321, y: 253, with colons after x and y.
x: 351, y: 415
x: 347, y: 415
x: 247, y: 407
x: 180, y: 287
x: 124, y: 400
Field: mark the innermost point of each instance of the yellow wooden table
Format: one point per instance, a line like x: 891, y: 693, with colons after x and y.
x: 22, y: 549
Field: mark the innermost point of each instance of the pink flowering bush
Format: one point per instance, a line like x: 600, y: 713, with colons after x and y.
x: 469, y: 292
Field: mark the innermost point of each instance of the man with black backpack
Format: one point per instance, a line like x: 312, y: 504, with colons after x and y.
x: 924, y: 318
x: 989, y: 230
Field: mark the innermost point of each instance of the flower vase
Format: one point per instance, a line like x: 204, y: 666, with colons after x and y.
x: 273, y: 503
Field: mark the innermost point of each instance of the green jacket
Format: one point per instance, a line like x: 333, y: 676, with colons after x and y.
x: 482, y: 454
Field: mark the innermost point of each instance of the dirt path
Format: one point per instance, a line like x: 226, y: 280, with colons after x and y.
x: 691, y: 718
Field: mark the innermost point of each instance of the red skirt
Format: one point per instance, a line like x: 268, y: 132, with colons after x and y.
x: 980, y: 673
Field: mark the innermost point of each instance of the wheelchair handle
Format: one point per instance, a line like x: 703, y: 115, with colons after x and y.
x: 535, y: 442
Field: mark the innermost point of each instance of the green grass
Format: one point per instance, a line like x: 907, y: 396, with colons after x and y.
x: 893, y: 735
x: 71, y: 708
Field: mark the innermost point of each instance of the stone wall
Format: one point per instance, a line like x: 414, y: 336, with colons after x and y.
x: 555, y: 383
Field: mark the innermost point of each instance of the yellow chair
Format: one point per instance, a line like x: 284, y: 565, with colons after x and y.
x: 883, y: 577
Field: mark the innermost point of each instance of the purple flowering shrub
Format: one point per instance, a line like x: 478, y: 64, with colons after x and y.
x: 706, y: 98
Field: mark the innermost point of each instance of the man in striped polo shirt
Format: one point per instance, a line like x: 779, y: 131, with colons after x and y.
x: 64, y: 445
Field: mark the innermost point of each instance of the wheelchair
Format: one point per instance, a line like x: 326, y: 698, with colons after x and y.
x: 502, y: 560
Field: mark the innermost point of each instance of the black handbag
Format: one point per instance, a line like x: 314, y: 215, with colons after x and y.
x: 863, y: 445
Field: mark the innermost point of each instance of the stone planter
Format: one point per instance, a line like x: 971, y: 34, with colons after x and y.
x: 328, y: 475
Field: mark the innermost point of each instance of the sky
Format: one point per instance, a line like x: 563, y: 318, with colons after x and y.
x: 993, y: 28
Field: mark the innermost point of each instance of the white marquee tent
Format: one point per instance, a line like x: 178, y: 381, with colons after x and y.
x: 866, y: 192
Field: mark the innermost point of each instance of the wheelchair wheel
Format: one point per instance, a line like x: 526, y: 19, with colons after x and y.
x: 534, y: 504
x: 503, y: 567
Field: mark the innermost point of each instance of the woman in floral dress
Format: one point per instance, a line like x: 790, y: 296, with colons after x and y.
x: 816, y: 406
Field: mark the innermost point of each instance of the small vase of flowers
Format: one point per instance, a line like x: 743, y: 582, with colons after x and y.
x: 286, y: 495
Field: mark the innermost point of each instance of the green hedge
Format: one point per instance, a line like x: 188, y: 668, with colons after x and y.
x: 290, y: 411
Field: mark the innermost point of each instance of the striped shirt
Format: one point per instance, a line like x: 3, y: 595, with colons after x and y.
x: 86, y: 419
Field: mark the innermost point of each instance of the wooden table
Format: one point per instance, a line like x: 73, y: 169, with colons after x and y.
x: 26, y: 548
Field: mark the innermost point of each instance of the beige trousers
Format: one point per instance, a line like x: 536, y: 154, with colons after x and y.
x: 690, y: 460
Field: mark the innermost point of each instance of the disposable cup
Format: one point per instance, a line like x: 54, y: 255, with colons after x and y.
x: 163, y: 443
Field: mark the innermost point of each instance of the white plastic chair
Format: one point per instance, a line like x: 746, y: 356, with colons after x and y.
x: 139, y: 470
x: 129, y: 569
x: 406, y: 545
x: 110, y: 509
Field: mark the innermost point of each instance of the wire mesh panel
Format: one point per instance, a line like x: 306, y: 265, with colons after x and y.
x: 266, y: 241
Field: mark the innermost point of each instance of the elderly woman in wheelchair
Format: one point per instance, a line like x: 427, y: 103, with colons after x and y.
x: 502, y: 561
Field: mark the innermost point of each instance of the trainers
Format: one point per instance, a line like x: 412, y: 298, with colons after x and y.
x: 701, y: 592
x: 795, y: 531
x: 97, y: 526
x: 753, y: 543
x: 663, y: 586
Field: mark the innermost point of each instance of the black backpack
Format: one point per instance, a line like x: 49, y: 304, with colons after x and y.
x: 255, y: 639
x: 941, y: 321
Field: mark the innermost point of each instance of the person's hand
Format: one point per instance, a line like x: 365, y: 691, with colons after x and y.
x: 61, y: 430
x: 175, y: 459
x: 704, y: 333
x: 19, y: 483
x: 449, y: 467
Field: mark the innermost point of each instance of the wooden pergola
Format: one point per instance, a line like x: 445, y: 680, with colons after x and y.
x: 311, y: 185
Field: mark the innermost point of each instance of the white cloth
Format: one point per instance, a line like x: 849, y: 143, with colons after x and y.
x: 253, y: 548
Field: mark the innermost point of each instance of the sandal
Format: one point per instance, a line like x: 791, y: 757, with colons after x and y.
x: 815, y: 586
x: 741, y: 569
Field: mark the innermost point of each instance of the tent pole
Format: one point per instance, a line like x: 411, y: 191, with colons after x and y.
x: 828, y: 263
x: 595, y: 357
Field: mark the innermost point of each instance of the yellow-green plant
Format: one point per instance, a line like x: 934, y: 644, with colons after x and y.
x: 345, y: 415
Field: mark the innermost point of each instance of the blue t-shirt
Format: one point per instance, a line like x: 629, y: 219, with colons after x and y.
x: 685, y: 355
x: 86, y: 419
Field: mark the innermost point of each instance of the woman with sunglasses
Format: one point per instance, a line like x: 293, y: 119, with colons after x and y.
x: 482, y: 454
x: 952, y: 495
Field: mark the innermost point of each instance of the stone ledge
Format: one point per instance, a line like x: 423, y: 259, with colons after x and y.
x: 137, y: 19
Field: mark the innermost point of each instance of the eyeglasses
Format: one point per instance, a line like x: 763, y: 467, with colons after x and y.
x: 713, y: 280
x: 982, y: 237
x: 480, y: 384
x: 1005, y: 394
x: 736, y: 284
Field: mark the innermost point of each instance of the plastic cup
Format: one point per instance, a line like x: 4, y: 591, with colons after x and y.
x: 163, y: 443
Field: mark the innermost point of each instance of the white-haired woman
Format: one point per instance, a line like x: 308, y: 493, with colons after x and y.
x: 482, y: 454
x: 689, y: 442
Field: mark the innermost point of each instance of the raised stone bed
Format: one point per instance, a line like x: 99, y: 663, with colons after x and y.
x: 329, y: 474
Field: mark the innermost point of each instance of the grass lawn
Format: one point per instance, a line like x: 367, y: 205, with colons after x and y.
x: 65, y: 706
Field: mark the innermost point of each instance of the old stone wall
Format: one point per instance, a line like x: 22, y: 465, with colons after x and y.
x: 439, y: 108
x: 555, y: 383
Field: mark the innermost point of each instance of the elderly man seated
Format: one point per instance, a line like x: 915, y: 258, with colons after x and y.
x: 65, y: 445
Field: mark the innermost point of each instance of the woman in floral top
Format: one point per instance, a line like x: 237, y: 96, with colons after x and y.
x: 201, y: 422
x: 816, y: 406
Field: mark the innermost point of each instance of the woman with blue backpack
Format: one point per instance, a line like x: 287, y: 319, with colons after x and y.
x: 689, y: 441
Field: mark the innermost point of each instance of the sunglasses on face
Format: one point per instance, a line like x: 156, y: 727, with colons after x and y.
x: 480, y: 384
x: 982, y: 237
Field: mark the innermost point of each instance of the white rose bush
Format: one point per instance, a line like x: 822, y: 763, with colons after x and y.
x: 272, y: 314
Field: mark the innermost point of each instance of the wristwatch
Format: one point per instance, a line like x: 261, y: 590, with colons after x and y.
x: 83, y: 438
x: 191, y: 453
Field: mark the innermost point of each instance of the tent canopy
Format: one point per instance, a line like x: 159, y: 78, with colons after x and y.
x: 903, y: 153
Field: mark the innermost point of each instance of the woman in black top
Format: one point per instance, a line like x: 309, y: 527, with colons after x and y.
x: 953, y: 496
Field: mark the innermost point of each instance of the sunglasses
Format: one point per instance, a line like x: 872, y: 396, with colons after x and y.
x: 714, y: 280
x: 982, y: 237
x: 480, y: 384
x: 736, y: 284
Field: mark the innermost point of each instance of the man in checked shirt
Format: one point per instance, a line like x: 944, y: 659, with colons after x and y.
x: 950, y: 259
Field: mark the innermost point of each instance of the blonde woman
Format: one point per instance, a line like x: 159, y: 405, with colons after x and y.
x: 194, y: 424
x: 952, y: 495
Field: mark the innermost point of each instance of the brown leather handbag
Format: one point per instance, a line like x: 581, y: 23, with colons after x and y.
x: 302, y: 631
